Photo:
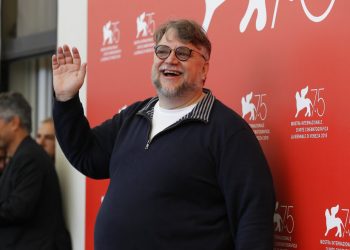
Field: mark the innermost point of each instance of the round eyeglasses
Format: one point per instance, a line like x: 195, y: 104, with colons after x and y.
x: 182, y: 53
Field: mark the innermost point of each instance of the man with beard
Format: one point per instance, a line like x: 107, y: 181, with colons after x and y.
x: 30, y: 200
x: 186, y: 172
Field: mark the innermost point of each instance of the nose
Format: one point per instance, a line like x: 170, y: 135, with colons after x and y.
x: 172, y: 58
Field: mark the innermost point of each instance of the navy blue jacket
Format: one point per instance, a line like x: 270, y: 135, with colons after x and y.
x: 202, y: 183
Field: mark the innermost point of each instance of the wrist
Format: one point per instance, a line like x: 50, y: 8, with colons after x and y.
x: 63, y: 97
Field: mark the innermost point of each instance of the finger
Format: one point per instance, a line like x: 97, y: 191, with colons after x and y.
x: 67, y: 55
x: 60, y: 56
x: 55, y: 64
x: 76, y: 56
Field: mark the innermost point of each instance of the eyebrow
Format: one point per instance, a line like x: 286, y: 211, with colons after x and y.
x: 45, y: 135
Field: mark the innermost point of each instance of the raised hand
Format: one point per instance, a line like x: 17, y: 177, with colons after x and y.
x: 68, y: 73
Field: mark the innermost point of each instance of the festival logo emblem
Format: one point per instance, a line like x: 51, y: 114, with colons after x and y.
x: 256, y: 111
x: 284, y: 223
x: 248, y: 107
x: 145, y: 27
x: 111, y: 36
x: 111, y: 33
x: 334, y: 222
x: 310, y: 109
x: 336, y: 228
x: 303, y: 102
x: 259, y: 6
x: 254, y: 108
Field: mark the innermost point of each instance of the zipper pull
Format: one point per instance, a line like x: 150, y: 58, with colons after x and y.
x: 147, y: 145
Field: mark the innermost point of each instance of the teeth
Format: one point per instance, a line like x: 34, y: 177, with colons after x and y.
x: 172, y: 72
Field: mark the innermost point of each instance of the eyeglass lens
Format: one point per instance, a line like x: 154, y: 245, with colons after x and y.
x: 182, y: 53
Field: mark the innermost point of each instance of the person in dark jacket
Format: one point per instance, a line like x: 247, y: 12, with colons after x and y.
x: 186, y: 172
x: 30, y: 200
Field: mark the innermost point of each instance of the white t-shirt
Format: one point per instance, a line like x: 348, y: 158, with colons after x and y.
x: 163, y: 118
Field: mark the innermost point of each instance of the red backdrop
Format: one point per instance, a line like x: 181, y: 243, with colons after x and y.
x: 280, y: 64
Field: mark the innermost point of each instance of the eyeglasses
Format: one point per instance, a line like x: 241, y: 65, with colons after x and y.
x: 182, y: 53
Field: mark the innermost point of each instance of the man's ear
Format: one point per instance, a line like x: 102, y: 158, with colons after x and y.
x: 205, y: 71
x: 15, y: 122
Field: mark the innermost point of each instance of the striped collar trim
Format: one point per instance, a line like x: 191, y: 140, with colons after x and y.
x: 200, y: 112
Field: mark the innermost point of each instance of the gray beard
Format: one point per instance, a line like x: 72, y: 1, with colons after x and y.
x: 174, y: 92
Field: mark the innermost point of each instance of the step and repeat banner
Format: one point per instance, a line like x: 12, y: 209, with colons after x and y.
x: 283, y: 65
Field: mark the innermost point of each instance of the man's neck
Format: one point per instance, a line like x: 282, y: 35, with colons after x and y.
x: 179, y: 102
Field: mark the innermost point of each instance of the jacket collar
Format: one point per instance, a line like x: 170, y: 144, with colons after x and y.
x: 200, y: 112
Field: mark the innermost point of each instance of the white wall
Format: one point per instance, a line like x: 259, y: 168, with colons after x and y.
x: 72, y: 30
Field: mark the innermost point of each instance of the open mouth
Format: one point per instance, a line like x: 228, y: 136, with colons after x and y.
x: 171, y: 73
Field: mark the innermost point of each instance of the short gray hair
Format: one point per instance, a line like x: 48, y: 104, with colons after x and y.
x: 14, y: 104
x: 188, y: 31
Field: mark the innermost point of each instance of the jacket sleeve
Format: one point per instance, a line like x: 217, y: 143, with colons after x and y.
x: 247, y: 185
x: 21, y: 203
x: 88, y: 150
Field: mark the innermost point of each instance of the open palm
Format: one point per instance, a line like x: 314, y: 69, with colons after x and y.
x: 68, y: 73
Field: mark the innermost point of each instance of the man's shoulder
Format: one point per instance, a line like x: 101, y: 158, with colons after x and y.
x: 225, y: 114
x: 29, y: 152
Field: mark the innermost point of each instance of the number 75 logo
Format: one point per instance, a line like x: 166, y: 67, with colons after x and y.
x: 256, y: 108
x: 316, y: 105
